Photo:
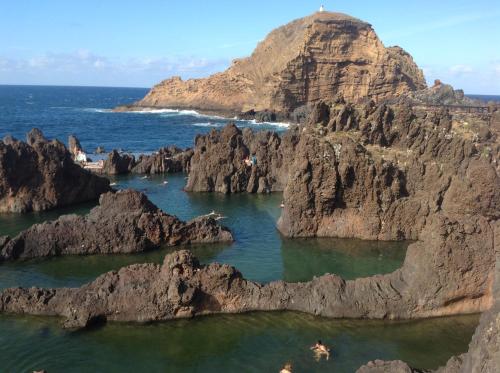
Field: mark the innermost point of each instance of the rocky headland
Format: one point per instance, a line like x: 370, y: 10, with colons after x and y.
x: 123, y: 222
x: 310, y: 59
x: 39, y: 175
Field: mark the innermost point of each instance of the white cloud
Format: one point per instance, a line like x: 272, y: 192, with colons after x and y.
x: 54, y: 67
x: 461, y: 69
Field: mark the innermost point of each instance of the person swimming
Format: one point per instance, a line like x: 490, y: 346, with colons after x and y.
x: 287, y: 368
x: 321, y: 350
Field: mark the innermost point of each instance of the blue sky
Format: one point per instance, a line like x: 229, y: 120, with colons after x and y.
x: 138, y: 43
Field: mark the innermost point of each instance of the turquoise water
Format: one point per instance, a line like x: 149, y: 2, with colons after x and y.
x: 233, y: 343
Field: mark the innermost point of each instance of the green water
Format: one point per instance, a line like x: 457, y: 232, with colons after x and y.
x: 254, y: 342
x: 229, y: 343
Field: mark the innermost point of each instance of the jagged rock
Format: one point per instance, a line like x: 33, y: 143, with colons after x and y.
x: 100, y: 150
x: 218, y: 163
x: 40, y: 175
x: 380, y: 366
x: 166, y: 160
x: 117, y: 163
x: 124, y: 222
x: 483, y: 355
x: 379, y: 172
x: 74, y: 145
x: 432, y: 282
x: 307, y: 60
x: 442, y: 94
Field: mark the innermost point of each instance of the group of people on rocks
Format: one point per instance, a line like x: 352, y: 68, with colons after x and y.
x: 319, y: 349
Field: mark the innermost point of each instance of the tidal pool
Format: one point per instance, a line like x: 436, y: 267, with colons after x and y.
x: 256, y: 342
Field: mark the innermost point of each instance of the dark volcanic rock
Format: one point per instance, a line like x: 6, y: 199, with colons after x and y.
x: 379, y: 366
x: 379, y: 172
x: 181, y: 287
x: 117, y: 163
x: 218, y: 163
x: 124, y: 222
x: 166, y: 160
x: 40, y: 175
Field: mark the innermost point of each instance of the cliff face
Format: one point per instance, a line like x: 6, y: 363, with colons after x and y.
x: 312, y: 58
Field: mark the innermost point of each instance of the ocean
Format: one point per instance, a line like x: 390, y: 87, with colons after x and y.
x: 255, y: 342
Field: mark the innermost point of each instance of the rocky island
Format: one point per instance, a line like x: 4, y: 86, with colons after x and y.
x: 310, y: 59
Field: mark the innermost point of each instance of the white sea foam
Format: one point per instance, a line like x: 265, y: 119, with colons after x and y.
x: 208, y: 124
x: 277, y: 124
x: 96, y: 110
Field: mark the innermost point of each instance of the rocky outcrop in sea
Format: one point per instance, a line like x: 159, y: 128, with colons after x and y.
x: 124, y: 222
x: 39, y: 175
x: 310, y: 59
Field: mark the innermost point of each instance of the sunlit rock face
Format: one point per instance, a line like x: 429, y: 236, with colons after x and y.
x: 312, y: 58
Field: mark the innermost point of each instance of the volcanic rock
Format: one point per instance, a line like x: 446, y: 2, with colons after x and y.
x: 40, y: 175
x: 117, y: 163
x: 380, y: 366
x: 74, y: 145
x: 124, y: 222
x: 310, y: 59
x: 166, y: 160
x: 218, y: 163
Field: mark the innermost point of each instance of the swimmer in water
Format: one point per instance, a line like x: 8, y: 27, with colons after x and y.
x: 287, y: 368
x: 321, y: 350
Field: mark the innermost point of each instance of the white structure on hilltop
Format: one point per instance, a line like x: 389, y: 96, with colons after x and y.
x: 321, y: 8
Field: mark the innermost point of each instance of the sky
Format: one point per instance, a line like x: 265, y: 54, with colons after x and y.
x: 139, y: 43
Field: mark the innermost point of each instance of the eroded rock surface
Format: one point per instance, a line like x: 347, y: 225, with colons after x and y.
x: 39, y: 175
x: 379, y: 172
x: 307, y: 60
x: 124, y: 222
x: 218, y: 163
x: 166, y: 160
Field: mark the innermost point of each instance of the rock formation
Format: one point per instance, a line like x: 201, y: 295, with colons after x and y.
x: 124, y: 222
x: 483, y: 355
x: 380, y: 366
x: 380, y: 172
x: 310, y: 59
x: 74, y: 145
x: 117, y: 163
x: 432, y: 282
x: 166, y: 160
x: 441, y: 94
x: 218, y: 163
x: 40, y: 175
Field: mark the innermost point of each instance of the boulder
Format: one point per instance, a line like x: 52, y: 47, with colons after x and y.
x: 39, y: 175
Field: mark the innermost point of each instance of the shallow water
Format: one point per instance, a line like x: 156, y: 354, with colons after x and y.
x: 259, y: 251
x: 257, y: 342
x: 252, y: 342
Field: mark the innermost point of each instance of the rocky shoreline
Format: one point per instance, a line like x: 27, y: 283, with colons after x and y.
x: 123, y: 222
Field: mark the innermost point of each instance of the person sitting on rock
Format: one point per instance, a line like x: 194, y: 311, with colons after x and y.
x: 254, y: 160
x: 248, y: 162
x: 321, y: 350
x: 287, y: 368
